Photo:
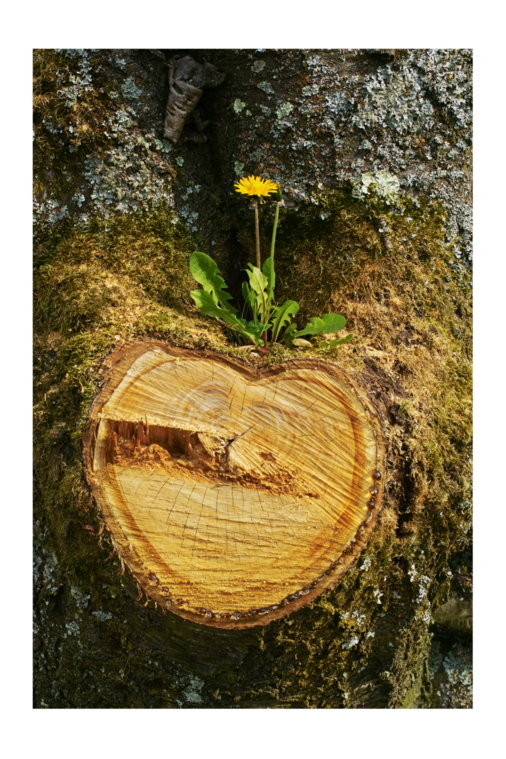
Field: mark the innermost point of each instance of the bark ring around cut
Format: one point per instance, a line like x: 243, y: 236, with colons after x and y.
x: 234, y: 497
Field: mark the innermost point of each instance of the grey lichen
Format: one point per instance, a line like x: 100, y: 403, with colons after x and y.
x: 393, y: 99
x: 79, y: 83
x: 450, y: 673
x: 103, y: 616
x: 266, y: 87
x: 82, y: 599
x: 350, y: 643
x: 192, y: 693
x: 72, y: 628
x: 130, y: 89
x: 381, y: 184
x: 238, y: 105
x: 258, y: 67
x: 284, y: 110
x: 125, y: 167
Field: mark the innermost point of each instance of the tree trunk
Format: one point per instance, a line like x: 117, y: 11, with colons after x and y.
x: 328, y: 569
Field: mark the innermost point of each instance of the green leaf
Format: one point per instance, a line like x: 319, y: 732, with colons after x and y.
x: 333, y: 322
x: 288, y: 334
x: 257, y: 279
x: 322, y: 324
x: 249, y: 298
x: 268, y: 270
x: 281, y: 316
x: 258, y: 283
x: 207, y: 274
x: 204, y: 301
x: 247, y: 294
x: 340, y: 340
x: 256, y: 328
x: 313, y: 327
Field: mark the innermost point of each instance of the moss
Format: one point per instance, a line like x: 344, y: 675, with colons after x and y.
x: 109, y: 271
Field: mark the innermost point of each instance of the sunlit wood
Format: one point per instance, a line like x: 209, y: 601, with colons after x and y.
x: 233, y: 497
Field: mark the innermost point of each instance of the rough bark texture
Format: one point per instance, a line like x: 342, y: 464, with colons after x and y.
x: 118, y: 211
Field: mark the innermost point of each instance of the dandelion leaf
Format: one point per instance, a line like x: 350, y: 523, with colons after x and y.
x: 207, y: 274
x: 282, y: 315
x: 322, y: 325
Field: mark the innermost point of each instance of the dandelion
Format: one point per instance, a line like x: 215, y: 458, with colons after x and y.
x: 257, y: 188
x: 258, y: 294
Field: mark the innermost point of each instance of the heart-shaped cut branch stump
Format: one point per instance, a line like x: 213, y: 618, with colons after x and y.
x: 234, y: 497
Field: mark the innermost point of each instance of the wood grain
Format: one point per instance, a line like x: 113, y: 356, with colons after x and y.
x: 233, y: 497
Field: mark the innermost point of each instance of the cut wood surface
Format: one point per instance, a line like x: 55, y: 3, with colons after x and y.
x: 234, y: 497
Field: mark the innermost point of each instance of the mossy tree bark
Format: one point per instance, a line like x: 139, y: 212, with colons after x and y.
x: 118, y: 210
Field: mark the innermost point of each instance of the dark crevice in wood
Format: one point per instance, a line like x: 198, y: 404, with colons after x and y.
x: 175, y: 441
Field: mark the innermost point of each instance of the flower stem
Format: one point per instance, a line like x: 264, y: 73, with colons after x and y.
x: 257, y: 233
x: 274, y: 229
x: 273, y: 245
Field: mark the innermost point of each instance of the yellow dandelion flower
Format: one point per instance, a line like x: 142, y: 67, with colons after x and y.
x: 255, y: 186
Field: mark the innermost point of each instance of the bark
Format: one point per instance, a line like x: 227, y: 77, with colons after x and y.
x: 372, y: 150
